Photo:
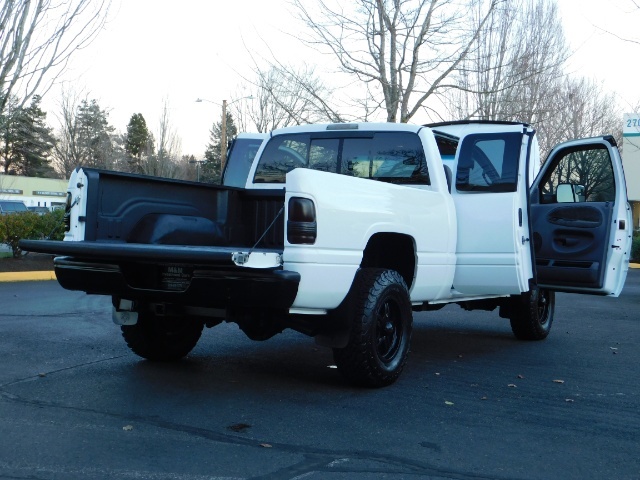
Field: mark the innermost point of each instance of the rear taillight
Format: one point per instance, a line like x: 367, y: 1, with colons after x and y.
x: 301, y: 225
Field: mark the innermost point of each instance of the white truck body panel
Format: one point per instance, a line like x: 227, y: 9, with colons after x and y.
x: 374, y: 207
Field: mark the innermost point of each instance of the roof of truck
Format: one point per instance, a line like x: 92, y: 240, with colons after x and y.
x: 361, y: 126
x: 462, y: 128
x: 475, y: 122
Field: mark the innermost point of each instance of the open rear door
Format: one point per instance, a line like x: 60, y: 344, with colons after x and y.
x: 493, y: 256
x: 581, y: 220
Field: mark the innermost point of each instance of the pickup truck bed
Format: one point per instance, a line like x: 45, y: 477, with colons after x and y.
x: 170, y: 240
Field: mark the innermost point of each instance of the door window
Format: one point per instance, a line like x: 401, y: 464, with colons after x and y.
x: 580, y: 174
x: 489, y: 163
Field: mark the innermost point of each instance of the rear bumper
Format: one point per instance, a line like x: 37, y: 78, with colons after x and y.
x: 192, y: 284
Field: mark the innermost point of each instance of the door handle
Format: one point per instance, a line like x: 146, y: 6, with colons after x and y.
x: 567, y: 242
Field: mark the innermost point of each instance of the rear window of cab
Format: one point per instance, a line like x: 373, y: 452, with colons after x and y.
x: 394, y: 157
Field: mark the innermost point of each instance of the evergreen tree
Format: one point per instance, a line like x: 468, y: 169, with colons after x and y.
x: 95, y: 136
x: 8, y: 135
x: 210, y: 172
x: 27, y: 141
x: 138, y: 142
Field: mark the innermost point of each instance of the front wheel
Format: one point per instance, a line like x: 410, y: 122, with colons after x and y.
x: 380, y: 331
x: 162, y: 338
x: 532, y: 314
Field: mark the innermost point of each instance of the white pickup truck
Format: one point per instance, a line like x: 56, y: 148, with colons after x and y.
x: 340, y: 231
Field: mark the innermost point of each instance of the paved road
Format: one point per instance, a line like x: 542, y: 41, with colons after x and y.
x: 473, y: 403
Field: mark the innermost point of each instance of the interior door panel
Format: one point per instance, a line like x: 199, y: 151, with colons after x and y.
x: 569, y: 243
x: 580, y: 219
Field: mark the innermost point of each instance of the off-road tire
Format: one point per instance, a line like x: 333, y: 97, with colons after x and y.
x: 532, y: 314
x: 380, y: 330
x: 162, y: 338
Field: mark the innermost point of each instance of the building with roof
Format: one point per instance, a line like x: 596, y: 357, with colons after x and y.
x: 33, y: 191
x: 631, y: 162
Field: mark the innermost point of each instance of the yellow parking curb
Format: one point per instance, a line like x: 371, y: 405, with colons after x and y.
x: 50, y: 275
x: 26, y: 276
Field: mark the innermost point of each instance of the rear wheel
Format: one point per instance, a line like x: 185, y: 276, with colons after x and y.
x: 532, y: 314
x: 162, y: 338
x: 380, y: 332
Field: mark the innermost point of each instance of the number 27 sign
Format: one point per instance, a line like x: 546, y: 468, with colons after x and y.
x: 631, y: 126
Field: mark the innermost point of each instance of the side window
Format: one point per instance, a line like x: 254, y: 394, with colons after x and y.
x: 398, y: 158
x: 280, y: 156
x: 580, y: 174
x: 241, y: 157
x: 489, y: 163
x: 356, y: 157
x: 323, y: 154
x: 447, y: 145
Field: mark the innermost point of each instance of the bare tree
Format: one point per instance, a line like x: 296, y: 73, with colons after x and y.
x: 165, y: 162
x: 37, y: 38
x: 85, y: 137
x: 401, y: 51
x: 582, y: 109
x: 514, y: 65
x: 634, y: 8
x: 281, y: 96
x: 68, y: 153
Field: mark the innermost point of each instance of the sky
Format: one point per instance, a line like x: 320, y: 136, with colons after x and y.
x: 156, y: 51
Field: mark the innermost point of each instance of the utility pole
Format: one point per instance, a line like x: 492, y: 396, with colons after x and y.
x: 223, y: 133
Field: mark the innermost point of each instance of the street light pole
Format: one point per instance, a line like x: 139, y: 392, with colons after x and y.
x: 198, y: 163
x: 223, y: 133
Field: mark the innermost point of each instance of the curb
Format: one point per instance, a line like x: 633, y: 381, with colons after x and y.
x: 27, y: 276
x: 50, y: 275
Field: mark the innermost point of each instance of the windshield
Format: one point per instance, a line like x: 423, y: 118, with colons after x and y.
x: 13, y: 207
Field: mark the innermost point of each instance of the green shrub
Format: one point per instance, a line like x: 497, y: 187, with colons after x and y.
x: 635, y: 248
x: 29, y: 225
x: 50, y: 226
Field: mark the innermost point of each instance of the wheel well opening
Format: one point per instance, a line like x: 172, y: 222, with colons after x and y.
x: 393, y: 251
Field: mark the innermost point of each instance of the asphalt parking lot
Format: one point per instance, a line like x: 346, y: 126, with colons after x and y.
x: 473, y: 402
